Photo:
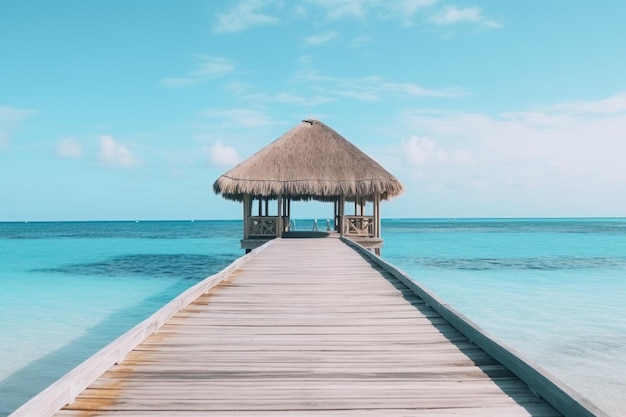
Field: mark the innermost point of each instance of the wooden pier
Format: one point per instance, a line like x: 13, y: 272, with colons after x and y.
x: 306, y: 327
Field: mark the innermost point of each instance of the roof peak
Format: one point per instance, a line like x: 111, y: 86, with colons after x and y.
x: 308, y: 162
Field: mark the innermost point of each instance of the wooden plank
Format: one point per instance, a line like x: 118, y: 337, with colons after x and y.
x: 389, y: 412
x: 541, y: 382
x: 308, y: 328
x: 70, y: 385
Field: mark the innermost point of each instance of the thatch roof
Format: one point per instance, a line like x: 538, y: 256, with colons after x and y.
x: 311, y: 161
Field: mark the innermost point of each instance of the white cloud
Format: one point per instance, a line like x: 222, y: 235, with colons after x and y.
x: 415, y: 90
x: 410, y: 7
x: 221, y: 155
x: 299, y: 11
x: 360, y: 9
x: 252, y: 13
x: 243, y: 16
x: 291, y: 98
x: 321, y: 38
x: 114, y: 154
x: 250, y: 95
x: 452, y: 15
x: 312, y: 89
x: 10, y: 117
x: 339, y: 9
x: 455, y: 15
x: 208, y: 68
x: 614, y: 104
x: 238, y: 117
x: 70, y: 148
x: 422, y: 151
x: 176, y: 173
x: 370, y: 88
x: 560, y: 157
x: 9, y: 114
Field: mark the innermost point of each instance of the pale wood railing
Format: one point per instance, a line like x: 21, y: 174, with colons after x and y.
x: 262, y: 226
x: 358, y: 226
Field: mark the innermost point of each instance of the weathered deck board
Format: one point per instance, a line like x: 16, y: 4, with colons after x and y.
x: 309, y: 328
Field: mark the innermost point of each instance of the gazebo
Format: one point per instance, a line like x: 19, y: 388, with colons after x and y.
x: 309, y: 162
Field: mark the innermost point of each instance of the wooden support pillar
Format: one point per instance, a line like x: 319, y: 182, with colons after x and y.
x: 260, y: 207
x: 336, y: 214
x: 286, y: 213
x: 377, y: 217
x: 247, y: 211
x: 279, y: 220
x: 284, y: 207
x: 342, y: 203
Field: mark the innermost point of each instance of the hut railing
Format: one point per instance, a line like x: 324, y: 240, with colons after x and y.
x: 358, y: 226
x: 262, y: 226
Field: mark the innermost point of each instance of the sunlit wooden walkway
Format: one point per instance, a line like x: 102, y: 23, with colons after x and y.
x: 308, y: 328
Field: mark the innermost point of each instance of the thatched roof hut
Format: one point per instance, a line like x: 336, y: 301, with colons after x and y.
x: 310, y: 161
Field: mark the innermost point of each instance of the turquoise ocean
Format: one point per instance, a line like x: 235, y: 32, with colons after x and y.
x: 553, y: 289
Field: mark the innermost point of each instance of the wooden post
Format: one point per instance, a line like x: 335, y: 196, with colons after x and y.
x: 377, y: 223
x: 286, y: 214
x: 336, y: 214
x: 247, y: 209
x: 260, y: 206
x: 342, y: 204
x: 279, y: 221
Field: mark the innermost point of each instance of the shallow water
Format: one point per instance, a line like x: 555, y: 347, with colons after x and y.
x: 69, y: 289
x: 553, y: 289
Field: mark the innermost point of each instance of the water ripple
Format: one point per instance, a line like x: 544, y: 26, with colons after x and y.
x: 179, y: 266
x: 535, y: 263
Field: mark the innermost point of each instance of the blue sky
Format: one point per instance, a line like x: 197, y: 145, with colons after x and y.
x: 131, y: 109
